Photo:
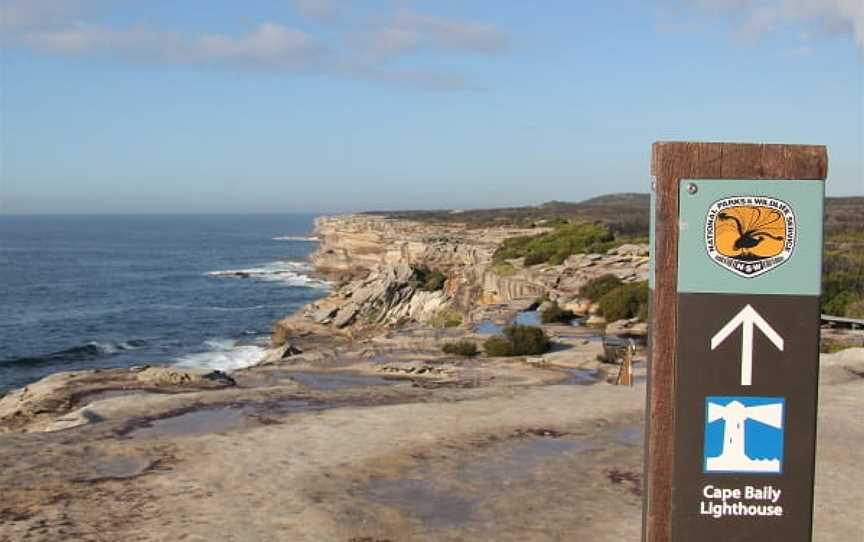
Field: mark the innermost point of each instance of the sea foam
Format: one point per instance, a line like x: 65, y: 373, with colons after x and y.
x: 223, y: 355
x: 289, y: 273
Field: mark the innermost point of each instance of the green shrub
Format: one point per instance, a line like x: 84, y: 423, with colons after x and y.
x: 460, y: 348
x: 518, y: 341
x: 597, y: 287
x: 446, y: 317
x: 536, y: 258
x: 842, y: 281
x: 426, y: 279
x: 498, y: 347
x: 554, y: 313
x: 555, y: 246
x: 625, y: 301
x: 434, y: 282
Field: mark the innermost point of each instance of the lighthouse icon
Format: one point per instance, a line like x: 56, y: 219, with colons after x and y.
x: 744, y: 434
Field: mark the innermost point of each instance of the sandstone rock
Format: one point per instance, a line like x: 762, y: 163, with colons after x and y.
x: 578, y: 306
x: 324, y: 314
x: 630, y: 327
x: 60, y: 392
x: 630, y: 250
x: 389, y: 251
x: 346, y: 315
x: 595, y: 320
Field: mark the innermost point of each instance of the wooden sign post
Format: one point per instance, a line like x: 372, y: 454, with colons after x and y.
x: 736, y: 247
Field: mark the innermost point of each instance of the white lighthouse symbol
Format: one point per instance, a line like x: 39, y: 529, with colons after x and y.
x: 735, y: 411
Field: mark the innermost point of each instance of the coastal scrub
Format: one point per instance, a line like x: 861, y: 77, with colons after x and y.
x: 625, y: 301
x: 466, y: 349
x: 518, y: 340
x: 557, y: 245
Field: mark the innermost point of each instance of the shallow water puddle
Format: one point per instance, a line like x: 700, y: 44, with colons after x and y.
x: 516, y: 460
x: 195, y: 422
x: 221, y: 419
x: 583, y: 377
x: 419, y: 498
x: 488, y: 327
x: 339, y: 381
x: 447, y: 499
x: 116, y: 467
x: 110, y: 394
x: 629, y: 436
x: 528, y: 318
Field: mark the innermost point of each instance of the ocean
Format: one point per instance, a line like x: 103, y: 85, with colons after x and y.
x: 82, y: 292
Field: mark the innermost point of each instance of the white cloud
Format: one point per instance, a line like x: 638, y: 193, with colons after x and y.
x: 758, y: 17
x: 268, y: 45
x: 78, y: 28
x: 409, y: 31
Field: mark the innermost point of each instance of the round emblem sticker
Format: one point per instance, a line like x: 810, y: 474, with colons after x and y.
x: 750, y: 235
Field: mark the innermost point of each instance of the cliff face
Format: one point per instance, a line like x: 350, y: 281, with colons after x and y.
x: 354, y: 243
x: 373, y: 259
x: 358, y: 244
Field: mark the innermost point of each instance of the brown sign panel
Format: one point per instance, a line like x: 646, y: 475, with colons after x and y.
x: 745, y: 422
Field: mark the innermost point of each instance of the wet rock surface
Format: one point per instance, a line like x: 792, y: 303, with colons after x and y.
x: 337, y: 452
x: 61, y: 392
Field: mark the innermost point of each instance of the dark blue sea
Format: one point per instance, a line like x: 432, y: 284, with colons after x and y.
x: 80, y: 292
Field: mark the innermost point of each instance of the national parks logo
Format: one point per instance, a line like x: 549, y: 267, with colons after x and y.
x: 750, y: 235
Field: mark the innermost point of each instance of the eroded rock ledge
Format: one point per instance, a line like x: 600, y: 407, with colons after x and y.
x: 372, y: 261
x: 60, y: 393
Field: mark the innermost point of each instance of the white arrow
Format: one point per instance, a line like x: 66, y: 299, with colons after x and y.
x: 746, y: 319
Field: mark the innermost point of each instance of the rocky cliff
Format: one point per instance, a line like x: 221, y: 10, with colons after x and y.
x: 376, y: 264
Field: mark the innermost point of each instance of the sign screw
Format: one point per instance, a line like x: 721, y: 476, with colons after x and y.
x: 692, y: 188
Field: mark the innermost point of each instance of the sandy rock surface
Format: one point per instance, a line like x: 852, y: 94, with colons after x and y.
x: 334, y: 449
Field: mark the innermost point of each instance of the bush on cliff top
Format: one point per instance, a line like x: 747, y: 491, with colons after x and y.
x: 518, y: 341
x: 843, y: 282
x: 597, y: 287
x: 625, y: 301
x: 555, y: 246
x: 460, y: 348
x: 426, y: 279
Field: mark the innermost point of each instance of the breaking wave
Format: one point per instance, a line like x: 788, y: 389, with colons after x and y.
x: 224, y: 355
x: 289, y: 273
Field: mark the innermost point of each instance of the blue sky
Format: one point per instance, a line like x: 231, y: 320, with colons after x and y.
x: 134, y: 106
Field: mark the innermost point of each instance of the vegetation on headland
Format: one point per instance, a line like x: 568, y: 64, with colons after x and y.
x: 557, y: 245
x: 843, y: 275
x: 625, y: 213
x: 465, y: 349
x: 596, y: 288
x: 626, y: 217
x: 518, y: 341
x: 617, y: 300
x: 427, y: 280
x: 626, y: 301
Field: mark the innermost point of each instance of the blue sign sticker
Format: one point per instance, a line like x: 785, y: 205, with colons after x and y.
x: 744, y: 434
